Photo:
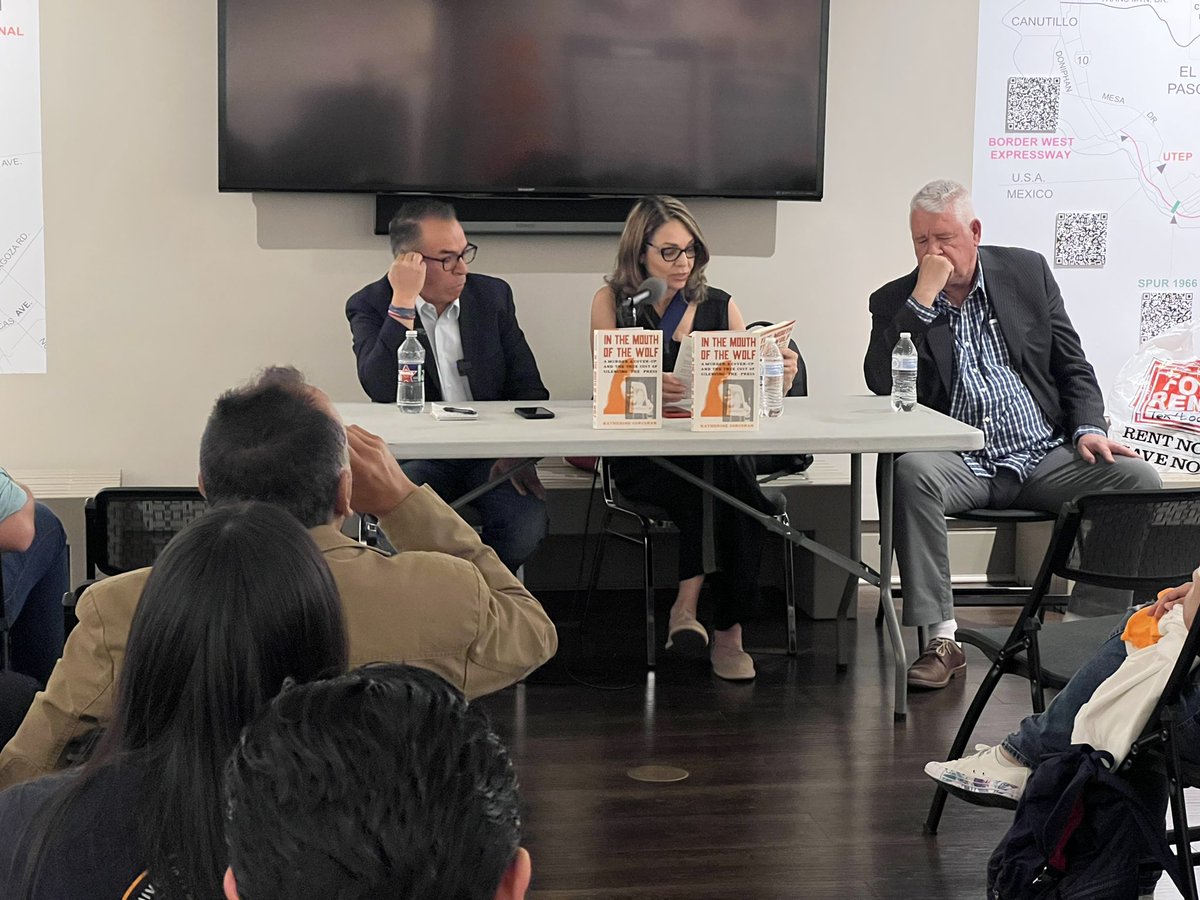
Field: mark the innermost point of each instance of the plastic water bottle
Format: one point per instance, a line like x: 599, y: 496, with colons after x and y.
x: 904, y: 374
x: 772, y: 379
x: 410, y: 378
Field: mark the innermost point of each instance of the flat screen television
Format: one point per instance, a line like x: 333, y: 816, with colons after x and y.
x: 606, y: 98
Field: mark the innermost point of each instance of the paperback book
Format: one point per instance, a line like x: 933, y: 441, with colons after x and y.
x: 725, y: 380
x: 781, y: 333
x: 627, y: 378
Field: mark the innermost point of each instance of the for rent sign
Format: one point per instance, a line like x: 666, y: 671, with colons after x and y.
x: 1155, y: 402
x: 1170, y: 395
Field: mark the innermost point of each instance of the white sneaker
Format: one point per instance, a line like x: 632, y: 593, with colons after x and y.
x: 985, y: 777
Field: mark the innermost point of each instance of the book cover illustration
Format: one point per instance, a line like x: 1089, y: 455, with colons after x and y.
x: 725, y: 380
x: 780, y: 332
x: 627, y: 378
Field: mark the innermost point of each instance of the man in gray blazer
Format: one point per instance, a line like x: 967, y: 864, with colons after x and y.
x: 995, y: 349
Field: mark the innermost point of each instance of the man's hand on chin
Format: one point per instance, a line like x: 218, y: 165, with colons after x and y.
x: 1093, y: 447
x: 378, y: 484
x: 933, y: 274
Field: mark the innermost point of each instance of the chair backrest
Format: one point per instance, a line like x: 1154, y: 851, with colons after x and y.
x: 128, y: 527
x: 1135, y: 540
x: 1140, y: 541
x: 615, y: 500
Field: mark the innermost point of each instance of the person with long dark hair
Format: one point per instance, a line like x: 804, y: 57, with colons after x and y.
x: 662, y: 239
x: 238, y: 602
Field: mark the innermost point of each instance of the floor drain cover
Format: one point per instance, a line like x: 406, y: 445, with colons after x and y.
x: 657, y: 773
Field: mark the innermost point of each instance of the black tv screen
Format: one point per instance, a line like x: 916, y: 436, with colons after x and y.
x: 578, y: 97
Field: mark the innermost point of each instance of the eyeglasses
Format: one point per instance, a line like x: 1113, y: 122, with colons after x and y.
x: 449, y: 262
x: 670, y: 253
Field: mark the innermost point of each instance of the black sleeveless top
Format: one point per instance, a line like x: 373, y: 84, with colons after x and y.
x: 711, y: 315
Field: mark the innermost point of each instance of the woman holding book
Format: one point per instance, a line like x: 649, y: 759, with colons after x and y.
x: 661, y: 239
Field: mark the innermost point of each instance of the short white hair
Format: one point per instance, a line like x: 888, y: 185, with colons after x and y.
x: 944, y: 194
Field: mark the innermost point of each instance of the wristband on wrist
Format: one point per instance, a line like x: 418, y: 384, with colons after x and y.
x: 402, y: 312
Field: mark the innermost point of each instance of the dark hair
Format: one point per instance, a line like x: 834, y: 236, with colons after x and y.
x: 405, y: 228
x: 381, y: 783
x: 272, y: 440
x: 237, y: 603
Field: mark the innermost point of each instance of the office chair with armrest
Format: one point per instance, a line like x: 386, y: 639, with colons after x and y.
x: 1140, y: 541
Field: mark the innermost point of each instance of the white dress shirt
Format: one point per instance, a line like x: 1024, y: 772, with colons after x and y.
x: 446, y: 341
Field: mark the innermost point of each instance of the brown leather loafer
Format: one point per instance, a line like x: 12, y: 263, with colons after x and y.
x: 941, y: 661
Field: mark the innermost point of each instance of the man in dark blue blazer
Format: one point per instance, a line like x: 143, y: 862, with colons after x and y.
x: 995, y: 349
x: 474, y: 350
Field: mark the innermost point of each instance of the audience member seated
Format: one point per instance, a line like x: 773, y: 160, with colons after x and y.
x: 474, y: 350
x: 662, y: 239
x: 996, y: 350
x: 444, y: 602
x: 1002, y: 771
x: 381, y: 783
x: 239, y: 601
x: 33, y: 561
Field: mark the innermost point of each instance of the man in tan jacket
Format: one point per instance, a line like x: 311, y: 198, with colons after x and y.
x: 443, y: 602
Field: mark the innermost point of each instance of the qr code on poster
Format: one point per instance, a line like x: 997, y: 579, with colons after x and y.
x: 1161, y: 312
x: 1032, y: 104
x: 1080, y: 240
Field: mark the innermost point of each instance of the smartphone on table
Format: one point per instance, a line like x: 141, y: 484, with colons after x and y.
x: 534, y: 412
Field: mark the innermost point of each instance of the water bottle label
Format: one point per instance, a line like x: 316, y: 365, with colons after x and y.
x: 772, y: 368
x: 409, y: 375
x: 904, y: 364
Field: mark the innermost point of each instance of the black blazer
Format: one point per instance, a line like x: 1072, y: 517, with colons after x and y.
x: 1042, y: 344
x: 499, y: 364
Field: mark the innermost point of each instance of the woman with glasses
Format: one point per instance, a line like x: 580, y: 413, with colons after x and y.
x: 662, y: 239
x: 238, y: 602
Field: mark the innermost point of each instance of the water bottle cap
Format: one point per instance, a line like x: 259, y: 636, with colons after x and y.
x: 906, y: 334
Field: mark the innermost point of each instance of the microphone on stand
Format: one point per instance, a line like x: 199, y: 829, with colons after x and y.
x: 649, y: 291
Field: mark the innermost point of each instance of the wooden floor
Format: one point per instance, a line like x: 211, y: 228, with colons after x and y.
x: 800, y: 784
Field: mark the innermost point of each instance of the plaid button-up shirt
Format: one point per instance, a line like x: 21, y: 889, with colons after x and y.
x: 988, y: 393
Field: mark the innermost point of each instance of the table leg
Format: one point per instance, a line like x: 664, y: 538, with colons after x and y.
x: 708, y: 550
x: 850, y: 592
x: 886, y: 471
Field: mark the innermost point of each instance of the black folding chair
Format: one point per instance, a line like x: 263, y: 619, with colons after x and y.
x: 1141, y: 541
x: 1158, y: 749
x: 126, y: 529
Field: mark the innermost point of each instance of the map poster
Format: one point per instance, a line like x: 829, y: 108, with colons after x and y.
x: 1087, y: 149
x: 22, y: 256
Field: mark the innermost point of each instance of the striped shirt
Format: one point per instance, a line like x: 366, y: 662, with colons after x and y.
x: 988, y: 393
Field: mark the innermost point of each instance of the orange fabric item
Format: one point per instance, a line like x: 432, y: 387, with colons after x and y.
x: 1142, y: 629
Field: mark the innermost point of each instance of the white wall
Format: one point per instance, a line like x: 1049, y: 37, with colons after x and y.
x: 162, y: 292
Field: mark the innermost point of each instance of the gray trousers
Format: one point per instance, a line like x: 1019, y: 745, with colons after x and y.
x: 930, y: 486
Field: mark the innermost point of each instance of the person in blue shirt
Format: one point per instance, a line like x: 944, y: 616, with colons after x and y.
x: 33, y: 561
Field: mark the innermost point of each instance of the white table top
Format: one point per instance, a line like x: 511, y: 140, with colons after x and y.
x: 852, y: 424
